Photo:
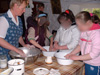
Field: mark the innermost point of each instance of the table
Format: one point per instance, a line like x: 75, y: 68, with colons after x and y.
x: 74, y: 69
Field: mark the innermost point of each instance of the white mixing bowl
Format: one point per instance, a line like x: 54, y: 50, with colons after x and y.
x: 48, y: 53
x: 61, y: 59
x: 64, y: 62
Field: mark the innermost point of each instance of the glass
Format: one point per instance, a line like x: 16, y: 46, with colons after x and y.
x: 3, y: 61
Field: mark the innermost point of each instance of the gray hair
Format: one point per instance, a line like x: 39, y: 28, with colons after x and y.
x: 18, y: 2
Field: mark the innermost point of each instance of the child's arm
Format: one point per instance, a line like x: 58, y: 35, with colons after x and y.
x: 56, y: 40
x: 82, y: 57
x: 51, y: 43
x: 74, y: 52
x: 64, y: 47
x: 50, y: 36
x: 56, y: 45
x: 73, y: 55
x: 37, y: 45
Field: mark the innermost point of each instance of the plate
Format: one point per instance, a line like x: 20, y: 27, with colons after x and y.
x: 41, y: 71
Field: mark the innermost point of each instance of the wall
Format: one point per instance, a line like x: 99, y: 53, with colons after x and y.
x: 74, y: 5
x: 54, y: 25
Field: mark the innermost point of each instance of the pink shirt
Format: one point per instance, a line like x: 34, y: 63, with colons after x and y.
x: 90, y: 43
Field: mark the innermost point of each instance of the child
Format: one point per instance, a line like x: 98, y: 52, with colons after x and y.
x: 41, y: 7
x: 68, y: 34
x: 37, y: 33
x: 89, y: 44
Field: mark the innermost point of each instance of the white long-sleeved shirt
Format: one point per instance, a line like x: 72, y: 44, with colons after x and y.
x: 69, y: 37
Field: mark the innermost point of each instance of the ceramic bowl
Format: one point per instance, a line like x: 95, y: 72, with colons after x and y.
x: 48, y: 53
x: 61, y: 59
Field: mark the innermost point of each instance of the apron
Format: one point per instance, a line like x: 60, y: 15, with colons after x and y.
x: 14, y: 32
x: 32, y: 23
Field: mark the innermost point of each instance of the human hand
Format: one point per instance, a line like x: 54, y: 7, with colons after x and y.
x: 27, y: 45
x: 56, y: 46
x: 51, y: 48
x: 68, y: 55
x: 74, y: 57
x: 43, y: 49
x: 21, y: 53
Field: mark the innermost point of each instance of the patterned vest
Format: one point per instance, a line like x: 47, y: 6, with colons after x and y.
x: 14, y: 32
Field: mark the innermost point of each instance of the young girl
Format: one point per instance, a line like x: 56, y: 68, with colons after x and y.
x: 89, y: 44
x: 68, y: 34
x: 38, y: 31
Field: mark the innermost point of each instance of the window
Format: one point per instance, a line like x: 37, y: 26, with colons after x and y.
x: 93, y: 10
